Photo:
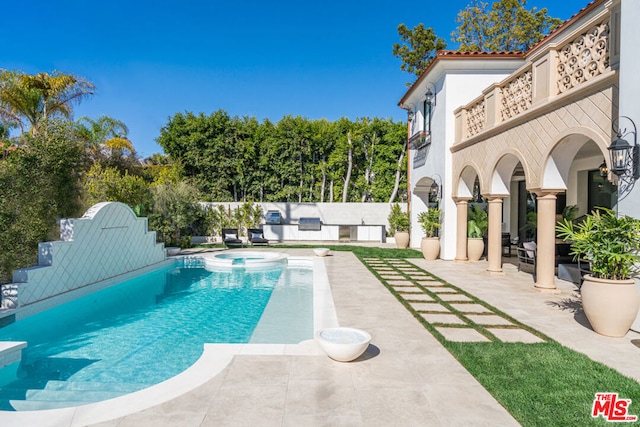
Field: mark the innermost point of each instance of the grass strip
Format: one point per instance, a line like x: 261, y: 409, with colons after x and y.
x: 541, y: 384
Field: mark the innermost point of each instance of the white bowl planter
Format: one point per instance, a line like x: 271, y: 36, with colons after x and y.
x: 321, y: 251
x: 172, y: 250
x: 343, y: 344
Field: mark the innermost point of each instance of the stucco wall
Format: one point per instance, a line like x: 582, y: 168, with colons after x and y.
x: 630, y: 85
x: 454, y: 89
x: 107, y: 241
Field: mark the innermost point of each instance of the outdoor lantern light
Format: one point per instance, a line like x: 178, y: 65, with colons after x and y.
x: 625, y: 158
x: 620, y: 152
x: 435, y: 188
x: 604, y: 170
x: 410, y: 115
x: 430, y: 95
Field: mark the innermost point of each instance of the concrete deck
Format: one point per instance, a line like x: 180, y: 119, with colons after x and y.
x: 406, y: 377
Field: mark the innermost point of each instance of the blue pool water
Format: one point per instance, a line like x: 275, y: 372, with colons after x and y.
x: 146, y: 330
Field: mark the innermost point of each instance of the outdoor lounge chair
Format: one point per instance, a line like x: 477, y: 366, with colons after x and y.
x: 230, y: 237
x: 256, y: 237
x: 527, y: 257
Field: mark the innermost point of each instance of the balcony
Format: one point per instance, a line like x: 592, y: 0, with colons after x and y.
x: 554, y: 72
x: 419, y: 140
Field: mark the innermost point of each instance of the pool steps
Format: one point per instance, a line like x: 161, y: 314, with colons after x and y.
x: 26, y: 395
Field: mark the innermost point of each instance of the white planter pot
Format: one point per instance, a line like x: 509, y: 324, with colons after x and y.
x: 475, y: 248
x: 402, y: 239
x: 343, y: 344
x: 172, y: 250
x: 611, y: 306
x: 430, y: 247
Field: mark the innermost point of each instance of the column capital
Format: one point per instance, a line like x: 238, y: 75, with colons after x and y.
x: 495, y: 197
x: 461, y: 199
x: 539, y: 192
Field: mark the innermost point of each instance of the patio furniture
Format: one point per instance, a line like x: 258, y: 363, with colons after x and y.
x: 527, y: 257
x: 256, y: 237
x: 506, y: 244
x: 230, y: 237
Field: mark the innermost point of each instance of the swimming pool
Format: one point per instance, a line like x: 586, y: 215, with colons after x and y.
x: 148, y: 329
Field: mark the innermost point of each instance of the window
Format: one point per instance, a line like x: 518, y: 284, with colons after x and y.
x: 427, y: 117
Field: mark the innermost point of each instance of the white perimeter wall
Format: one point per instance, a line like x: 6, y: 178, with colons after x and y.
x: 329, y: 213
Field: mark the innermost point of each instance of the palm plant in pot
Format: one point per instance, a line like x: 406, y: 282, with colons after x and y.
x: 399, y: 226
x: 430, y: 223
x: 477, y: 225
x: 611, y: 245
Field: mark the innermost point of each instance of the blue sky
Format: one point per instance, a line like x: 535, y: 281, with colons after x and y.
x: 152, y: 59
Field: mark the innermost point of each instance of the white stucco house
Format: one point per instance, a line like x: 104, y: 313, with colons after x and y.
x: 528, y: 131
x: 451, y: 80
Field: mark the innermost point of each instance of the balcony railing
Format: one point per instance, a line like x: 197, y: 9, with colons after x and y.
x: 419, y: 140
x: 545, y: 75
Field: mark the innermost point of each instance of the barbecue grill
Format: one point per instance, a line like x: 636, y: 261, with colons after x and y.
x: 309, y: 224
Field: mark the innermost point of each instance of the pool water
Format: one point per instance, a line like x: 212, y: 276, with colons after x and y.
x: 148, y: 329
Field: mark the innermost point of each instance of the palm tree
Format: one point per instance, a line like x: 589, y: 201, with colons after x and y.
x: 104, y: 134
x: 33, y: 99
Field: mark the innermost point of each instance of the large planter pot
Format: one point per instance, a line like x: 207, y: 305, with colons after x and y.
x: 611, y: 306
x: 475, y: 248
x: 402, y: 239
x: 430, y: 247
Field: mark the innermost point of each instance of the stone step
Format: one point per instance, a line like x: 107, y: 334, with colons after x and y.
x: 38, y: 405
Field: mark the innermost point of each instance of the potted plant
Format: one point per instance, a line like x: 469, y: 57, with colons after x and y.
x: 611, y: 244
x: 430, y: 222
x: 477, y: 225
x: 399, y: 226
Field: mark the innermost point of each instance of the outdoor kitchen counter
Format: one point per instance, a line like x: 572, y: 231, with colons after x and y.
x: 328, y: 232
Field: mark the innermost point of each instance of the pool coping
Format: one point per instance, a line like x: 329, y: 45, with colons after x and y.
x: 215, y: 358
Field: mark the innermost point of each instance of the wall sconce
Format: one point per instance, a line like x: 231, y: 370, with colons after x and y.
x: 436, y: 188
x: 430, y: 95
x: 604, y: 170
x: 625, y: 158
x: 410, y: 115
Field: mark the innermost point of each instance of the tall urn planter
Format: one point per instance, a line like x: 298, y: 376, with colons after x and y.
x: 611, y: 244
x: 611, y: 306
x: 477, y: 225
x: 399, y: 224
x: 430, y: 247
x: 402, y: 239
x: 475, y: 248
x: 430, y: 223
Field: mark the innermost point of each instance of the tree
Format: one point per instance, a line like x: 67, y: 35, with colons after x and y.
x: 109, y: 185
x: 39, y: 183
x: 34, y: 99
x: 107, y: 141
x: 506, y: 26
x: 417, y: 48
x: 174, y: 209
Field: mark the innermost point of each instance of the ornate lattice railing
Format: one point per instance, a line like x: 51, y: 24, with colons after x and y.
x: 476, y: 118
x: 584, y: 58
x: 516, y: 96
x: 551, y: 71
